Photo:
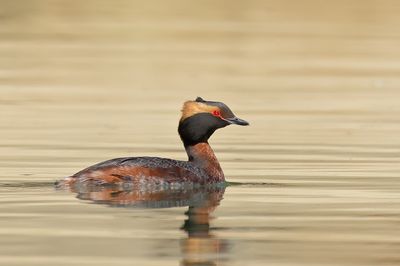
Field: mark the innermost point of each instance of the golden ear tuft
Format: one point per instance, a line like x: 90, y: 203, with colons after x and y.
x: 191, y: 108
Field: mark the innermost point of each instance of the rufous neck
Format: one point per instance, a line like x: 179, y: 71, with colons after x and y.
x: 203, y: 156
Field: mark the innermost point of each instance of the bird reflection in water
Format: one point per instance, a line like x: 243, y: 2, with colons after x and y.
x: 200, y: 247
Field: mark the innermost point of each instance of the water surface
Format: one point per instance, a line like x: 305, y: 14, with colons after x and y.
x: 318, y: 167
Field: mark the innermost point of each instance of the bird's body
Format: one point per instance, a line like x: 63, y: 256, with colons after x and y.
x: 199, y: 121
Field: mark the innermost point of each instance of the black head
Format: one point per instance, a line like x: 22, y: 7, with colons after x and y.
x: 200, y: 119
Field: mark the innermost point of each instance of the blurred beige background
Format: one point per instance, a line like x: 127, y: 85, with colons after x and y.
x: 85, y: 81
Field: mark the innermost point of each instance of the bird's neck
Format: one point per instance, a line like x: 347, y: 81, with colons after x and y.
x: 203, y: 156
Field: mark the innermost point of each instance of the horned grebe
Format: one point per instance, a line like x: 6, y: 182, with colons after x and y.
x: 199, y: 120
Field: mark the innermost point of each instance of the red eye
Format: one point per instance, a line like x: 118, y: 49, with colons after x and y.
x: 216, y: 113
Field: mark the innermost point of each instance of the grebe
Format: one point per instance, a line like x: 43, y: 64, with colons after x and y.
x: 200, y: 119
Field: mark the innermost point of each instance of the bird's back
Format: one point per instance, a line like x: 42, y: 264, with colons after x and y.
x: 154, y: 171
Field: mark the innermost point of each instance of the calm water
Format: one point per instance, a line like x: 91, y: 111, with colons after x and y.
x: 319, y: 81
